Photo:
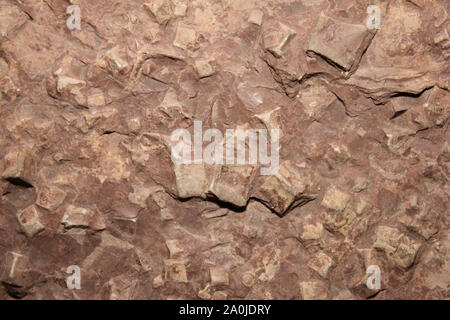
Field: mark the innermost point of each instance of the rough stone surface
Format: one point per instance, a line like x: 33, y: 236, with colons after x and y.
x: 30, y: 222
x: 87, y: 178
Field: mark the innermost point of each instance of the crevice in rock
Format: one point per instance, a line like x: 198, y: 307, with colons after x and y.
x: 14, y: 291
x: 220, y: 203
x: 278, y: 81
x: 374, y: 295
x: 295, y: 204
x: 329, y: 61
x: 397, y: 114
x: 411, y: 94
x: 20, y: 182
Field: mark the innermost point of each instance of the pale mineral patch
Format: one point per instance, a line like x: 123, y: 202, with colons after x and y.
x: 335, y: 199
x: 175, y: 270
x: 30, y: 222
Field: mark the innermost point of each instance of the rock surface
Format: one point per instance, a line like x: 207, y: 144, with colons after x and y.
x: 87, y: 177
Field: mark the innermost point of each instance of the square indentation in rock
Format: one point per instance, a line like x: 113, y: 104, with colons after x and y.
x: 219, y: 276
x: 161, y: 10
x: 400, y: 249
x: 11, y: 18
x: 321, y: 263
x: 50, y: 197
x: 232, y: 182
x: 30, y: 222
x: 313, y: 290
x: 15, y: 269
x: 185, y: 37
x: 282, y: 191
x: 275, y: 36
x: 191, y: 180
x: 15, y: 163
x: 175, y: 270
x: 339, y: 42
x: 77, y: 217
x: 335, y: 199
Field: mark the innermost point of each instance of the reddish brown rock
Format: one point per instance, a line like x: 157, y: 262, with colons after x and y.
x: 86, y: 172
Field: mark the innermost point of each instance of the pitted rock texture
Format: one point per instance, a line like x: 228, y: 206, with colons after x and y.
x: 87, y: 178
